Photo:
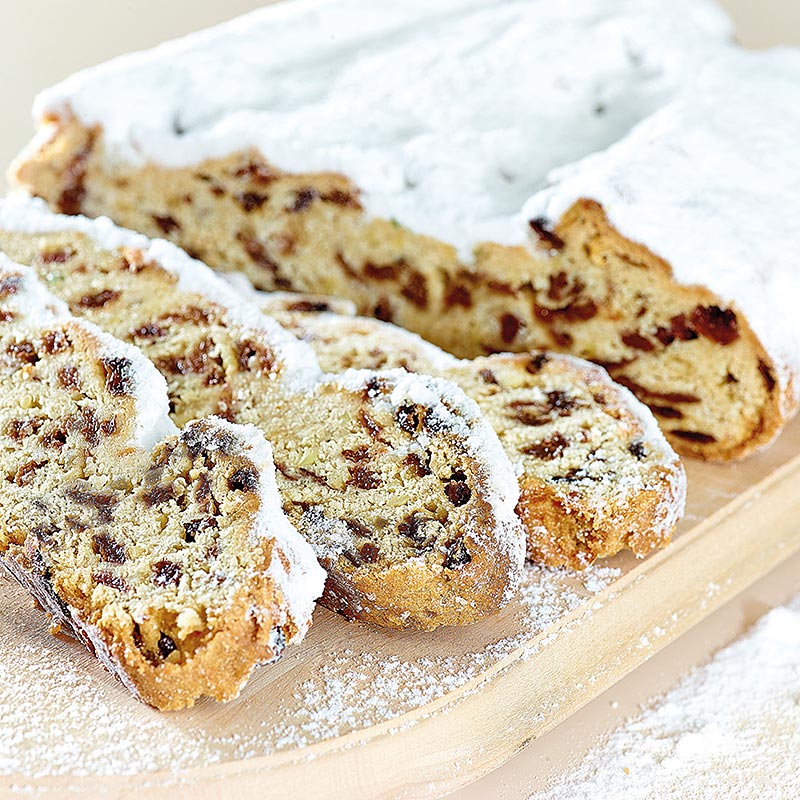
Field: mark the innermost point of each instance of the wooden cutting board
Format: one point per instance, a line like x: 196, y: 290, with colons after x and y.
x: 357, y: 712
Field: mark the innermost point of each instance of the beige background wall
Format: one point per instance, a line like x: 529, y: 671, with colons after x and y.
x: 42, y: 41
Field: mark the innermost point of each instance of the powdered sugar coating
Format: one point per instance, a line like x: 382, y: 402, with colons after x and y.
x: 448, y: 115
x: 23, y: 214
x: 36, y: 307
x: 709, y: 183
x: 301, y: 579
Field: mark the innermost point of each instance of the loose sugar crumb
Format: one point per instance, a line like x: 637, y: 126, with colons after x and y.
x: 730, y: 728
x: 55, y: 697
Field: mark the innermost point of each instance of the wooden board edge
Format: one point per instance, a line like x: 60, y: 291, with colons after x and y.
x: 466, y: 734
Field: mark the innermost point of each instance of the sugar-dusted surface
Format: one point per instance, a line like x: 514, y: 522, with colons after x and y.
x: 734, y: 722
x: 347, y: 677
x: 707, y: 184
x: 349, y: 687
x: 376, y: 89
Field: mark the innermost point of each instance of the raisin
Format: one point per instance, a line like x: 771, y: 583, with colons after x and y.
x: 244, y: 479
x: 369, y: 552
x: 410, y: 418
x: 681, y: 329
x: 345, y: 265
x: 98, y: 299
x: 372, y: 427
x: 382, y: 272
x: 560, y: 401
x: 106, y: 578
x: 88, y: 425
x: 719, y: 325
x: 108, y: 549
x: 637, y: 449
x: 341, y: 198
x: 54, y: 439
x: 72, y: 195
x: 166, y: 646
x: 166, y: 573
x: 383, y: 310
x: 488, y: 377
x: 456, y: 554
x: 250, y: 355
x: 250, y: 201
x: 23, y: 352
x: 509, y: 327
x: 637, y: 341
x: 193, y: 528
x: 457, y: 295
x: 120, y: 378
x: 419, y: 529
x: 417, y: 464
x: 55, y: 342
x: 644, y: 392
x: 416, y: 289
x: 357, y: 453
x: 302, y: 200
x: 536, y: 363
x: 18, y: 429
x: 46, y: 534
x: 158, y: 495
x: 166, y: 223
x: 358, y: 528
x: 667, y: 412
x: 309, y: 307
x: 103, y: 504
x: 258, y: 253
x: 540, y: 226
x: 56, y: 256
x: 257, y: 172
x: 148, y: 331
x: 26, y: 472
x: 694, y: 436
x: 549, y: 448
x: 10, y: 285
x: 363, y: 477
x: 458, y: 492
x: 108, y: 426
x: 766, y: 374
x: 665, y: 336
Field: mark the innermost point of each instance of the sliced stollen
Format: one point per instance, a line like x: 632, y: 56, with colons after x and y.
x: 359, y: 187
x: 596, y: 474
x: 665, y: 259
x: 363, y: 459
x: 166, y: 553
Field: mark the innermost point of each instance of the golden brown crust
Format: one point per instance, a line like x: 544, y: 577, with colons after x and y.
x: 309, y: 233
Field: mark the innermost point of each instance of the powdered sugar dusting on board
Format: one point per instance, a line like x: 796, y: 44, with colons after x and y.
x: 49, y: 688
x: 730, y: 728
